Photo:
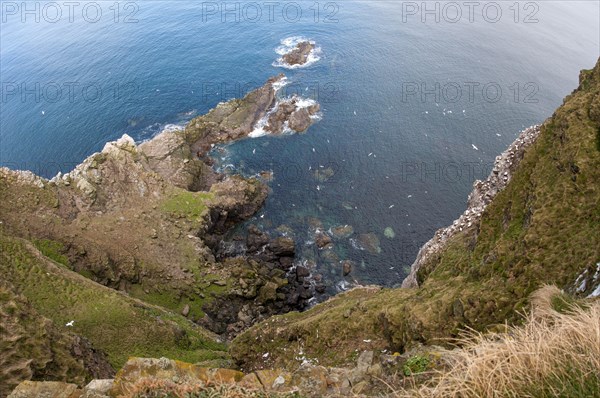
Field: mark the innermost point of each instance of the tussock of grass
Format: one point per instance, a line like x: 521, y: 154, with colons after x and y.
x: 555, y: 354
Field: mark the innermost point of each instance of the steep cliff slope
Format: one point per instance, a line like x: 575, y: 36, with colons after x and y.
x: 543, y: 227
x: 113, y: 322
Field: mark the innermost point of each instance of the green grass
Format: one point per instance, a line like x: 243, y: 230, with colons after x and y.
x: 415, y: 365
x: 187, y: 204
x: 53, y: 250
x: 113, y: 322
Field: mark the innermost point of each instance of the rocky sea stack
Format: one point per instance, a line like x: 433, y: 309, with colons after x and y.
x: 299, y: 54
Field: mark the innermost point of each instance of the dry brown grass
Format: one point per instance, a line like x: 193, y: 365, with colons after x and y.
x: 554, y: 354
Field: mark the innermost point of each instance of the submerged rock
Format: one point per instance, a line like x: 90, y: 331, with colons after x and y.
x: 369, y: 242
x: 389, y: 233
x: 323, y: 175
x: 342, y: 231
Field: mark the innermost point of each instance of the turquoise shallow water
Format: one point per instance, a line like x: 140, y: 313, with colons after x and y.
x: 413, y: 111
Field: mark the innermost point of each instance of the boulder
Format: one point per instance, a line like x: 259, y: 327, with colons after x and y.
x: 322, y: 240
x: 347, y: 267
x: 45, y: 389
x: 283, y: 247
x: 98, y: 388
x: 186, y: 310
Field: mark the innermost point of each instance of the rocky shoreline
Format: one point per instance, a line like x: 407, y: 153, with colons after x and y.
x: 481, y: 196
x: 147, y: 219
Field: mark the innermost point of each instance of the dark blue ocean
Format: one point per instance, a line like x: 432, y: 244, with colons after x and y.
x: 417, y: 99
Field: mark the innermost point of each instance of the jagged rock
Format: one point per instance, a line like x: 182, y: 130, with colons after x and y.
x: 313, y: 379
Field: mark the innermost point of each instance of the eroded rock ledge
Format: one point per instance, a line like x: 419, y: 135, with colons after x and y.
x: 481, y: 196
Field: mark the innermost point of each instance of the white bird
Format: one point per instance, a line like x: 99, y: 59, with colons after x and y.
x: 391, y: 206
x: 43, y: 112
x: 314, y: 150
x: 354, y: 113
x: 474, y: 147
x: 70, y: 323
x: 254, y: 151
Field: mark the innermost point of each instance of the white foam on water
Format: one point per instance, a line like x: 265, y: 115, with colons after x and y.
x: 173, y: 127
x: 281, y: 83
x: 259, y: 127
x: 300, y: 102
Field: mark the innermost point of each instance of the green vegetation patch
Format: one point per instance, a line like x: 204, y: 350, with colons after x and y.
x: 416, y: 364
x: 187, y: 204
x: 53, y: 250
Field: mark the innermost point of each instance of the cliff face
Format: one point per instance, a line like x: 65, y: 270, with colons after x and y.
x: 142, y: 224
x: 540, y: 225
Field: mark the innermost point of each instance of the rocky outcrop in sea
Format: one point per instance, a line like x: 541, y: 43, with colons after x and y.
x: 299, y: 55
